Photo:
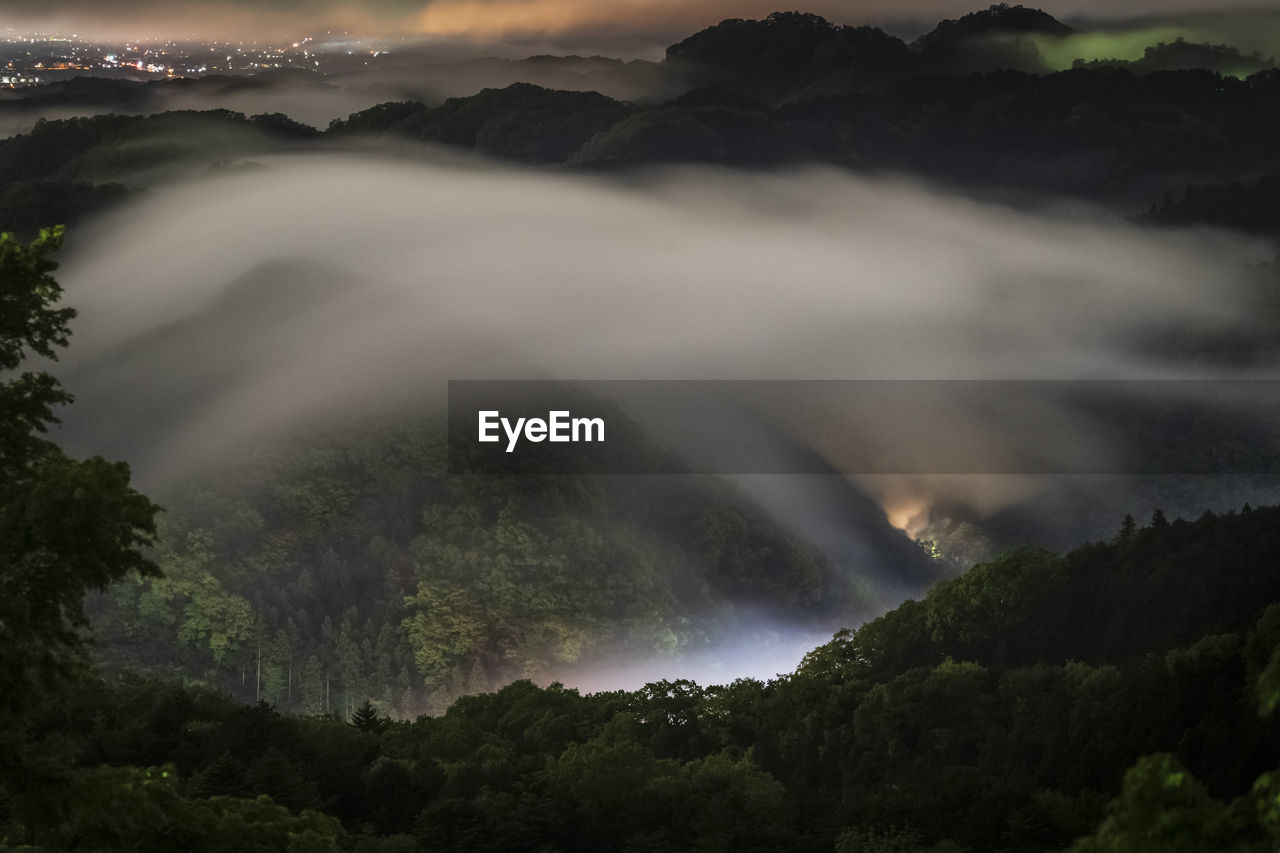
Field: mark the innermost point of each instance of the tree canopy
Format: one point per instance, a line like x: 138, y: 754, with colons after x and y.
x: 67, y: 526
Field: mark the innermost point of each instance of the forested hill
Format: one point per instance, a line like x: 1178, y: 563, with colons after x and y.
x: 999, y: 713
x: 338, y: 562
x: 972, y: 104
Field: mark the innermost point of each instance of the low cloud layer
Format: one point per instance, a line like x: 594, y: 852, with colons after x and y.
x: 218, y: 310
x: 224, y: 309
x: 412, y: 73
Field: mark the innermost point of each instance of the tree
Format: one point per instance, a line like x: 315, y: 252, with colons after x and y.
x: 66, y: 526
x: 273, y: 775
x: 1128, y: 530
x: 1163, y: 807
x: 131, y: 808
x: 366, y: 718
x: 225, y: 777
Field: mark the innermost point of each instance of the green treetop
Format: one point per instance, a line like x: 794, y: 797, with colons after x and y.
x: 67, y: 526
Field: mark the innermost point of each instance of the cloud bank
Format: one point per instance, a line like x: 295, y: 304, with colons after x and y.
x: 218, y: 310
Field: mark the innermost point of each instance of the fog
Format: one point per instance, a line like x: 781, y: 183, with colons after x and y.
x: 1251, y: 31
x: 1247, y: 26
x: 213, y: 312
x: 327, y: 280
x: 414, y: 72
x: 307, y: 98
x: 331, y: 278
x: 455, y: 268
x: 763, y: 653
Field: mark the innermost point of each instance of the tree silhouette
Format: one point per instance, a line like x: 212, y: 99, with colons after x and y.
x: 66, y: 526
x: 366, y: 718
x: 225, y: 777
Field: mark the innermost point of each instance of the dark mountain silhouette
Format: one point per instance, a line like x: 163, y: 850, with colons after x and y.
x: 1180, y: 54
x: 791, y: 88
x: 522, y: 122
x: 787, y: 53
x: 999, y: 19
x: 997, y: 37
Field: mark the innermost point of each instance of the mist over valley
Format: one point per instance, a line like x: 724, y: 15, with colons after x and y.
x: 939, y: 363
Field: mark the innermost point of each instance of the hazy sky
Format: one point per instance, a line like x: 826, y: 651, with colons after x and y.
x: 584, y: 20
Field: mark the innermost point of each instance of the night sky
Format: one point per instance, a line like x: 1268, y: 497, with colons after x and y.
x: 486, y: 20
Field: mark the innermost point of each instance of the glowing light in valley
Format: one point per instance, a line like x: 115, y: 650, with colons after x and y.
x: 910, y: 516
x: 1060, y: 53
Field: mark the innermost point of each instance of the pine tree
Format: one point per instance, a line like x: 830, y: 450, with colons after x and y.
x: 366, y: 718
x: 311, y: 686
x: 274, y: 775
x: 1128, y: 529
x: 225, y: 777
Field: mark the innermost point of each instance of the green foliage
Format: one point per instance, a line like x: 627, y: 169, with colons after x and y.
x: 29, y: 324
x: 377, y: 119
x: 274, y: 775
x: 27, y: 205
x: 366, y: 718
x: 190, y: 605
x: 68, y: 169
x: 1267, y: 637
x: 925, y: 730
x: 521, y: 122
x: 1163, y: 807
x: 225, y: 777
x: 125, y: 808
x: 339, y: 564
x: 976, y: 616
x: 854, y: 840
x: 66, y: 526
x: 655, y: 136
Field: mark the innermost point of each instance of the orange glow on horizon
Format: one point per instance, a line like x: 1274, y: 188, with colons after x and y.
x: 495, y: 18
x: 498, y: 18
x: 477, y: 20
x: 481, y: 20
